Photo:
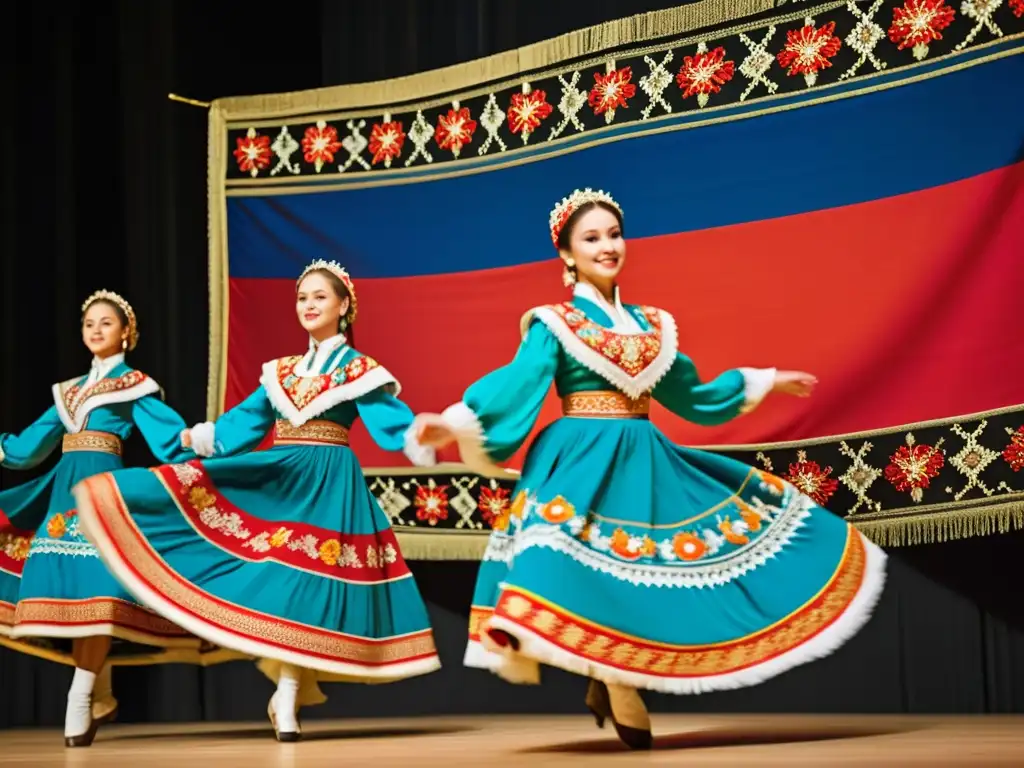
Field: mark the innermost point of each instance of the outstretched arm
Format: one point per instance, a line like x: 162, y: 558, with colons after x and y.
x: 161, y: 427
x: 31, y: 446
x: 239, y: 430
x: 727, y: 396
x: 389, y: 422
x: 497, y: 413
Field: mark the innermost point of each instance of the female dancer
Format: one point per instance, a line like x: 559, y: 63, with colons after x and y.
x: 53, y: 587
x: 624, y: 557
x: 283, y: 554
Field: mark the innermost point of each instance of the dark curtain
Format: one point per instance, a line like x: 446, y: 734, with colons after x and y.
x: 104, y: 185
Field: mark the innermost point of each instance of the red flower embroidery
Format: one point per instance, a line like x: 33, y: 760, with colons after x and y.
x: 495, y: 506
x: 811, y: 480
x: 912, y: 468
x: 526, y: 111
x: 631, y: 353
x: 358, y: 366
x: 918, y: 23
x: 454, y: 130
x: 431, y: 503
x: 809, y: 50
x: 1014, y: 452
x: 704, y: 73
x: 611, y: 91
x: 319, y: 144
x: 386, y: 141
x: 1017, y: 6
x: 252, y: 152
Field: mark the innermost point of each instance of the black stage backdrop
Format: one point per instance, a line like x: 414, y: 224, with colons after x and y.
x: 104, y: 185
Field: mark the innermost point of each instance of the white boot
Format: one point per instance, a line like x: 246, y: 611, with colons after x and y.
x: 78, y: 730
x: 283, y: 708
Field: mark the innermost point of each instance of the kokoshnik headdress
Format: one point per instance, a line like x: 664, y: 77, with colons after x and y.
x: 339, y: 272
x: 569, y: 205
x: 124, y: 306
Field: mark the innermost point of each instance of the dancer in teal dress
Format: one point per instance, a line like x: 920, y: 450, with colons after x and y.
x: 57, y: 600
x: 283, y: 554
x: 622, y: 556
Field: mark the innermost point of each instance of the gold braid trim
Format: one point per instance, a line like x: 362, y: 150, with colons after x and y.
x: 90, y: 440
x: 607, y: 405
x: 934, y: 527
x: 312, y: 432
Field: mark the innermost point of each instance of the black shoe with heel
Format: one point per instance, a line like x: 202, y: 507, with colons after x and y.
x: 600, y: 705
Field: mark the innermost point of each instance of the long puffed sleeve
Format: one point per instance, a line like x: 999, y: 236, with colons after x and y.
x: 497, y: 412
x: 160, y: 426
x: 33, y: 444
x: 239, y: 430
x: 717, y: 401
x: 389, y: 422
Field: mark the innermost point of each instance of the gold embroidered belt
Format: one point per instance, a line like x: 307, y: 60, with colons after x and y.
x: 606, y: 405
x: 317, y: 431
x: 89, y: 440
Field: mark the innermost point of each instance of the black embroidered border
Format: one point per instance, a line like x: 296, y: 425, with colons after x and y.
x: 860, y: 27
x: 928, y: 482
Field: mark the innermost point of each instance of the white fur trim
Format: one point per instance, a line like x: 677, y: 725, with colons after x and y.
x: 225, y: 638
x: 757, y: 383
x: 469, y: 434
x: 419, y: 455
x: 145, y: 387
x: 538, y: 649
x: 631, y: 386
x: 204, y: 437
x: 369, y: 381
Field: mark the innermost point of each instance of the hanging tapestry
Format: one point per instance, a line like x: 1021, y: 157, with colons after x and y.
x: 835, y: 187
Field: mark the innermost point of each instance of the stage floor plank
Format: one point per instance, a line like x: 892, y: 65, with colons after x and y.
x: 693, y: 741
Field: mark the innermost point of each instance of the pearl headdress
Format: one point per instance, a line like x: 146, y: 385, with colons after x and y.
x: 124, y: 306
x: 569, y: 205
x: 338, y: 271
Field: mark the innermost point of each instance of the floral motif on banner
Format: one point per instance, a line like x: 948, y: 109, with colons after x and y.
x: 949, y: 467
x: 799, y: 48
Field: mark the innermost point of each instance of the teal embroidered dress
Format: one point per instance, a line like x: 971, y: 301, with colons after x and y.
x: 283, y: 554
x: 53, y: 585
x: 626, y: 558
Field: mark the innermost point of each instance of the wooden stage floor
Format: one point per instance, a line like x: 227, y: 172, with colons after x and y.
x: 680, y: 740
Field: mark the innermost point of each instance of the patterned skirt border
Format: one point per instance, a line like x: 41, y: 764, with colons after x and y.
x: 70, y: 619
x: 548, y: 634
x: 182, y: 650
x: 914, y: 484
x: 108, y: 524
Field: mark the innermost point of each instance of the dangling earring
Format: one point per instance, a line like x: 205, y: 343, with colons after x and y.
x: 124, y: 345
x: 569, y: 273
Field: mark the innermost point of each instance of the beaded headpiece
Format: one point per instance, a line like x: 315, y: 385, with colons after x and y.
x: 339, y: 272
x: 560, y: 213
x: 124, y: 306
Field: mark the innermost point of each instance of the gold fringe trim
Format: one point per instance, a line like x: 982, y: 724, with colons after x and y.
x: 582, y: 42
x: 906, y: 531
x: 442, y: 545
x: 937, y: 527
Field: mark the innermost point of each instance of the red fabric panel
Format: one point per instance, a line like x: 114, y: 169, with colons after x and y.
x: 906, y: 308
